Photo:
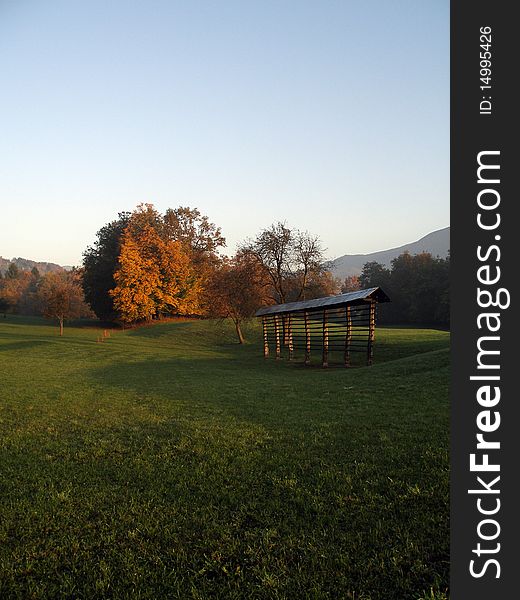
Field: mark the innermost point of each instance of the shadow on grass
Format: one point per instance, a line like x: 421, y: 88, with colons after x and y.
x: 7, y: 347
x: 267, y: 504
x: 43, y: 322
x: 185, y: 444
x: 278, y: 395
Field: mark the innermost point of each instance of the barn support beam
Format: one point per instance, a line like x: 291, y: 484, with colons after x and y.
x: 348, y: 335
x: 286, y: 326
x: 277, y: 335
x: 325, y: 359
x: 307, y: 338
x: 290, y: 337
x: 371, y: 332
x: 266, y: 339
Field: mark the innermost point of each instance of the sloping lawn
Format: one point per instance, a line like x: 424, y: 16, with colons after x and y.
x: 170, y: 462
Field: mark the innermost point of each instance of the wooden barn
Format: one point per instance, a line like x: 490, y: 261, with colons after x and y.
x: 342, y: 324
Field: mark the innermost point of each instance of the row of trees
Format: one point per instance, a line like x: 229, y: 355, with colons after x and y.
x: 56, y: 295
x: 145, y: 264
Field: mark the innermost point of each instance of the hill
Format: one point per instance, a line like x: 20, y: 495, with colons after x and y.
x: 436, y: 243
x: 24, y: 264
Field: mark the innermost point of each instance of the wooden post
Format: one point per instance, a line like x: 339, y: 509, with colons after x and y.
x: 325, y: 362
x: 307, y: 338
x: 266, y: 339
x: 371, y: 331
x: 348, y: 335
x: 285, y: 330
x: 277, y: 336
x: 289, y: 332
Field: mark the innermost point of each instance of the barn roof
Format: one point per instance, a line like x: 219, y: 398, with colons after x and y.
x: 358, y: 297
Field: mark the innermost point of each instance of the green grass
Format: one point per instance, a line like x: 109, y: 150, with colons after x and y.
x: 169, y: 462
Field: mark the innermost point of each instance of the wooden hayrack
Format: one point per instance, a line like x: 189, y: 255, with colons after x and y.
x: 344, y: 323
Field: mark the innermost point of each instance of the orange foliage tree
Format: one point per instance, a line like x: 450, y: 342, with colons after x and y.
x: 154, y: 274
x: 61, y: 297
x: 16, y: 289
x: 350, y: 284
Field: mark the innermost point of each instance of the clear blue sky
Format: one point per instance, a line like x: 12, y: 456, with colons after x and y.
x: 331, y: 115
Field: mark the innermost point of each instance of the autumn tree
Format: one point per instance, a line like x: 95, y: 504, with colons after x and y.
x: 154, y: 275
x: 238, y: 289
x: 146, y: 217
x: 194, y: 230
x: 4, y: 304
x: 101, y: 261
x: 351, y: 283
x: 28, y: 300
x: 16, y: 290
x: 322, y: 283
x: 201, y: 240
x: 198, y: 237
x: 60, y: 296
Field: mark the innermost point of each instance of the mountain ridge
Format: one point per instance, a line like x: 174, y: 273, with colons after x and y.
x: 25, y: 264
x: 437, y: 243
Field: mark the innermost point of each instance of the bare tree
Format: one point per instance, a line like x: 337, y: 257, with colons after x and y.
x: 308, y: 259
x: 273, y: 249
x: 289, y: 258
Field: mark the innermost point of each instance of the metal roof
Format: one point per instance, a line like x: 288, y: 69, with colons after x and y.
x: 358, y: 297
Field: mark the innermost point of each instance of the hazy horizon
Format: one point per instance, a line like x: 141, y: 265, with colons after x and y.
x: 333, y: 117
x: 328, y: 258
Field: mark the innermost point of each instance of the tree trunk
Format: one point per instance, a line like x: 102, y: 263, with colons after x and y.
x: 61, y: 326
x: 239, y: 332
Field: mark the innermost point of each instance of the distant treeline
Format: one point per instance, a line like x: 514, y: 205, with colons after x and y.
x: 56, y: 294
x: 24, y: 264
x: 418, y: 286
x: 145, y: 265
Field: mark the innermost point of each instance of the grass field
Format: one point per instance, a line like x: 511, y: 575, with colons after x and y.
x: 169, y: 462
